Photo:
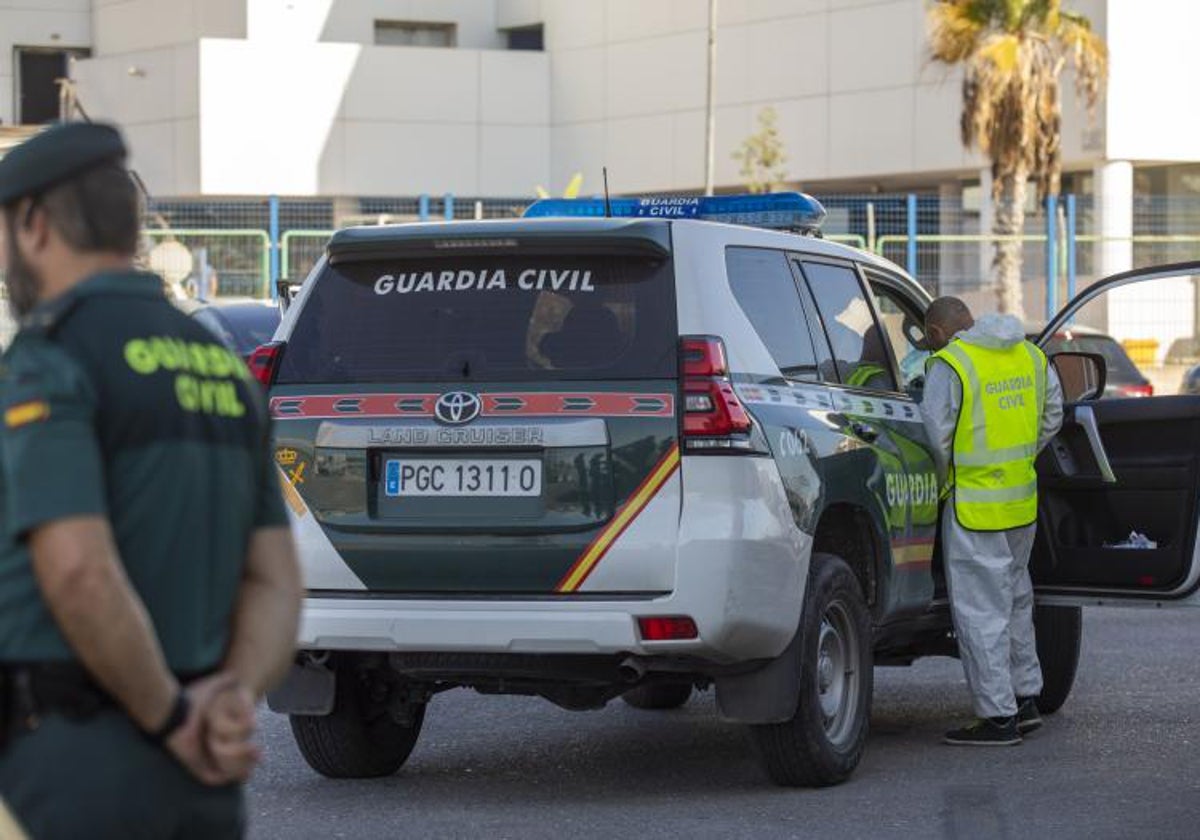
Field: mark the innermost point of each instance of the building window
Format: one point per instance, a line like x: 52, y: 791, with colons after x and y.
x: 38, y: 72
x: 407, y: 33
x: 526, y: 38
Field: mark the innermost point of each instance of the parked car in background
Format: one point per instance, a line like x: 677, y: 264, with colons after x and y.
x: 1191, y: 381
x: 1123, y: 379
x: 241, y: 325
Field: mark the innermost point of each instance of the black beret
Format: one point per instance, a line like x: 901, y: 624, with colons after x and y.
x: 56, y: 154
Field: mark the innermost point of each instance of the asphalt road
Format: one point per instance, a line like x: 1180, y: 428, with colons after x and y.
x: 1121, y: 760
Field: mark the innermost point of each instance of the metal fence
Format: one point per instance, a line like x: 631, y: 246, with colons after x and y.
x: 941, y: 240
x: 239, y: 247
x: 238, y: 261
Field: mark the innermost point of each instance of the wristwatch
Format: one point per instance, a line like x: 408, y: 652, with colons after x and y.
x: 179, y: 714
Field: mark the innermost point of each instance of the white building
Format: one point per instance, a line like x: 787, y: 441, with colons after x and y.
x: 375, y: 97
x: 493, y: 97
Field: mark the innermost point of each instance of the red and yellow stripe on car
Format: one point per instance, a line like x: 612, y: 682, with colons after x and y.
x: 913, y: 553
x: 625, y: 516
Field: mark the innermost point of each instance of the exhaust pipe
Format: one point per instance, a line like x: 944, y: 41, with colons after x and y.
x: 631, y: 670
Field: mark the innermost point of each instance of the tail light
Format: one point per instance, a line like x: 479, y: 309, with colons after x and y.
x: 667, y: 628
x: 264, y: 362
x: 1143, y: 390
x: 713, y: 416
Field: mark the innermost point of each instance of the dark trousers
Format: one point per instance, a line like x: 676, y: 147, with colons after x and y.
x: 100, y: 778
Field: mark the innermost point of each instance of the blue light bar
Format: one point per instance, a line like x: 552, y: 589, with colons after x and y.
x: 785, y: 210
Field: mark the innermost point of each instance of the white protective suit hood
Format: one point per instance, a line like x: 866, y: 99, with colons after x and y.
x: 994, y: 331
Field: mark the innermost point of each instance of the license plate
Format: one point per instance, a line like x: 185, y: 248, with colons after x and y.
x: 432, y: 477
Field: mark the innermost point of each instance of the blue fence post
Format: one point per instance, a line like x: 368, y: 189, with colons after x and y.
x: 1070, y: 244
x: 423, y: 207
x: 449, y: 203
x: 273, y: 248
x: 1051, y: 256
x: 911, y: 259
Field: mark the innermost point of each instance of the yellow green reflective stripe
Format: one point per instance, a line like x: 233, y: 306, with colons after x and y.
x: 971, y: 392
x: 992, y: 457
x: 990, y: 495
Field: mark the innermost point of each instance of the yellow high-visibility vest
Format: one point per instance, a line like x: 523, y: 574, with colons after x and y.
x: 995, y: 442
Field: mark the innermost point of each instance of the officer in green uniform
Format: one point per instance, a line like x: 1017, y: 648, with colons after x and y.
x: 149, y: 591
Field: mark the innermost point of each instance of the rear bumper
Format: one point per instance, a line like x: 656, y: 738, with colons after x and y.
x: 537, y: 627
x: 484, y: 627
x: 741, y: 565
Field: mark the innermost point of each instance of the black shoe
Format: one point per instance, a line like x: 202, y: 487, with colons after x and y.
x: 986, y: 732
x: 1028, y: 719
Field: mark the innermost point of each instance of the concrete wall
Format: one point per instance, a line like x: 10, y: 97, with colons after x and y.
x: 346, y: 119
x: 622, y: 84
x: 37, y: 23
x: 514, y: 13
x: 154, y: 95
x: 353, y: 21
x: 298, y: 101
x: 856, y: 95
x: 124, y: 26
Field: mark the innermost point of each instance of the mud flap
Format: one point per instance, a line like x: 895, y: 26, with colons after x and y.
x: 307, y: 689
x: 768, y: 694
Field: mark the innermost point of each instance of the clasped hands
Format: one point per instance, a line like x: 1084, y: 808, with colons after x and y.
x: 215, y: 741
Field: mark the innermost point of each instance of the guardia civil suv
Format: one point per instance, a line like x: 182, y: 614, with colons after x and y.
x: 634, y: 449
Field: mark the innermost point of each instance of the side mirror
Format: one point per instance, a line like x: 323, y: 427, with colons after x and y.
x: 1082, y: 375
x: 914, y: 332
x: 286, y: 292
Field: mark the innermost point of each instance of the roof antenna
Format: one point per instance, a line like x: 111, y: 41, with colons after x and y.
x: 607, y: 204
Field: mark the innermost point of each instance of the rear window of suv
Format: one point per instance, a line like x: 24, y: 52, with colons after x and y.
x: 486, y: 318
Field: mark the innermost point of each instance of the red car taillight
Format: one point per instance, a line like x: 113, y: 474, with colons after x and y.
x: 1145, y: 390
x: 264, y: 362
x: 667, y: 628
x: 713, y: 416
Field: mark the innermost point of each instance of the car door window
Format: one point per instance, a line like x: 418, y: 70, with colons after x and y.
x: 1147, y: 332
x: 904, y: 328
x: 765, y: 289
x: 859, y: 350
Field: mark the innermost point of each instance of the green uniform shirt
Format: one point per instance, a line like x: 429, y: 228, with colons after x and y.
x: 116, y: 403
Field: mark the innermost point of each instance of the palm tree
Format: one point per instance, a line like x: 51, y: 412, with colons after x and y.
x: 1014, y: 52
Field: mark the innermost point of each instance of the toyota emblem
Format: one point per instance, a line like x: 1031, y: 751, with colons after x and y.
x: 457, y: 407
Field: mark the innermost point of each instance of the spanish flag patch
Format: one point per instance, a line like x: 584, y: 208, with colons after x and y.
x: 22, y: 414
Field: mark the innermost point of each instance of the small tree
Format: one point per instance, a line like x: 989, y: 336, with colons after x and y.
x: 761, y: 155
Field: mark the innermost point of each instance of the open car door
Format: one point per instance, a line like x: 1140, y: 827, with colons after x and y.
x: 1124, y: 465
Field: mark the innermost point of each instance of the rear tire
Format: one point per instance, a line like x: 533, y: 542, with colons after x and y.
x: 659, y: 696
x: 823, y: 742
x: 1059, y: 631
x: 358, y: 739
